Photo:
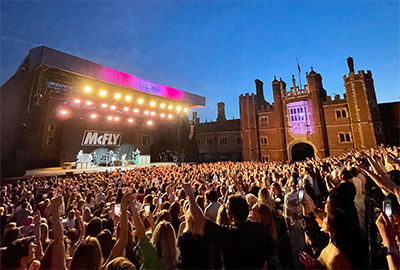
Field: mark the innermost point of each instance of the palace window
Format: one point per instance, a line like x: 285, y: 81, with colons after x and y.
x: 264, y: 121
x: 344, y: 137
x: 341, y: 113
x: 263, y: 140
x: 238, y: 140
x: 51, y: 127
x: 299, y: 113
x: 378, y: 130
x: 49, y: 140
x: 209, y: 141
x: 264, y: 158
x: 223, y: 140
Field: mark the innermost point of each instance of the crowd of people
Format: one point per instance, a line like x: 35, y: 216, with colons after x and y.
x: 330, y: 213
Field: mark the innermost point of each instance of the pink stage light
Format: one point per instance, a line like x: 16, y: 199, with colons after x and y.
x: 112, y: 107
x: 149, y: 122
x: 130, y: 120
x: 93, y: 116
x: 104, y: 105
x: 116, y: 118
x: 135, y: 110
x: 88, y: 102
x: 126, y: 109
x: 152, y: 113
x: 170, y: 116
x: 110, y: 118
x: 162, y: 115
x: 146, y: 112
x: 77, y: 101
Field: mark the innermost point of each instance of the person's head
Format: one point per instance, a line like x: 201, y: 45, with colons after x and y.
x: 88, y: 255
x: 175, y: 209
x: 164, y: 241
x: 164, y: 215
x: 106, y: 242
x: 19, y: 253
x: 211, y: 196
x: 73, y: 236
x: 71, y: 214
x: 87, y: 214
x: 261, y: 213
x: 251, y: 200
x: 222, y: 216
x: 10, y: 236
x: 276, y: 189
x: 238, y: 209
x: 265, y: 197
x: 345, y: 175
x: 120, y: 263
x: 94, y: 227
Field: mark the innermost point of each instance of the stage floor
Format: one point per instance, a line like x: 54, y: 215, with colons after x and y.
x: 60, y: 171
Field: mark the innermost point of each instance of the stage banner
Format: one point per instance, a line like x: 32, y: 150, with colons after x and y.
x: 101, y: 138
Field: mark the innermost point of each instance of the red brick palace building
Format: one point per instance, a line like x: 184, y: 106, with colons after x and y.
x: 307, y: 122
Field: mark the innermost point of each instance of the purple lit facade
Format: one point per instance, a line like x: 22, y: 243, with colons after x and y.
x: 300, y: 117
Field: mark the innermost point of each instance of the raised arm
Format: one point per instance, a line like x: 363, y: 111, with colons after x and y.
x: 140, y: 229
x: 194, y: 208
x: 58, y: 251
x: 122, y: 241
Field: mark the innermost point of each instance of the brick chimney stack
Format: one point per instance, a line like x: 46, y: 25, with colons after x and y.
x: 221, y: 111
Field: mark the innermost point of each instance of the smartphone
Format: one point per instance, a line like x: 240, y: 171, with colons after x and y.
x: 301, y: 195
x: 387, y: 207
x: 160, y: 201
x: 300, y: 182
x: 147, y: 210
x: 117, y: 210
x: 230, y: 189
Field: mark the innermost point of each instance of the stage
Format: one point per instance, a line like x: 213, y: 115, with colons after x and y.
x: 60, y: 171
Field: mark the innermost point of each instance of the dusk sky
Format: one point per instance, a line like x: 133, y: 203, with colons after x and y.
x: 214, y: 49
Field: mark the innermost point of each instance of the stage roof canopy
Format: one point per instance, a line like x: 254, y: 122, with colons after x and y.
x: 44, y: 56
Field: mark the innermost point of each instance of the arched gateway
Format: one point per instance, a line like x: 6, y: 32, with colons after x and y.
x: 301, y: 151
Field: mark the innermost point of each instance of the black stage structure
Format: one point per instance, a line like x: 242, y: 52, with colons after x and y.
x: 57, y: 104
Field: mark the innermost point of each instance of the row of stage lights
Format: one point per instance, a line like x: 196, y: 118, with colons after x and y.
x: 77, y: 101
x: 128, y: 98
x: 65, y: 113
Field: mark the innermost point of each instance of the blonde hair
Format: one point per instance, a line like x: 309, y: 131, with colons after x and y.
x: 164, y: 241
x: 191, y: 225
x: 251, y: 200
x: 265, y: 197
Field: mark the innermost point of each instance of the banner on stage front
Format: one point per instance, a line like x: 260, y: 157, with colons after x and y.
x: 101, y: 138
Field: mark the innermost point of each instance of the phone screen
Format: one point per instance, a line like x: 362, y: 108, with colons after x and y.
x: 160, y: 201
x: 387, y: 207
x: 117, y: 209
x: 301, y: 195
x: 230, y: 189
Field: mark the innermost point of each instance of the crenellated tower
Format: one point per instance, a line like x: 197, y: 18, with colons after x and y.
x: 364, y: 113
x: 248, y: 127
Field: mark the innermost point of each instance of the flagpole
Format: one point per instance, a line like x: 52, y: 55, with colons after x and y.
x: 298, y: 68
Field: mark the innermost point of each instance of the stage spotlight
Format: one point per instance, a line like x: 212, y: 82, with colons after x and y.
x: 87, y: 89
x: 170, y: 107
x: 170, y: 116
x: 63, y: 112
x: 135, y: 110
x: 149, y: 122
x: 117, y: 96
x: 88, y: 102
x: 77, y: 101
x: 126, y: 109
x: 162, y: 115
x: 130, y: 120
x: 152, y: 113
x: 104, y: 105
x: 102, y: 93
x: 185, y: 110
x: 116, y: 118
x: 128, y: 98
x: 112, y: 107
x: 146, y: 112
x: 178, y: 109
x: 153, y: 103
x: 140, y: 100
x: 162, y: 105
x: 110, y: 118
x: 93, y: 116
